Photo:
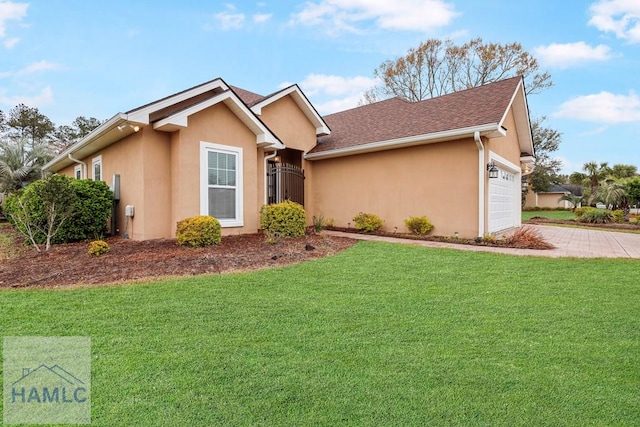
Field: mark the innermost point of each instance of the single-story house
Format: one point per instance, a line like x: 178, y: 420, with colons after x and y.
x: 551, y: 198
x: 219, y: 150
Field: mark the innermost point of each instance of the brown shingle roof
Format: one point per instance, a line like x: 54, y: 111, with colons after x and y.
x: 246, y: 96
x: 396, y: 118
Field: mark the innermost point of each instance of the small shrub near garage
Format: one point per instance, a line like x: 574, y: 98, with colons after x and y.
x: 98, y: 247
x: 367, y: 222
x: 419, y: 225
x: 198, y: 231
x: 597, y: 216
x: 285, y: 219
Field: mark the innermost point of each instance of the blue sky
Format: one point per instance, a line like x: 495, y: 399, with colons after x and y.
x: 96, y: 58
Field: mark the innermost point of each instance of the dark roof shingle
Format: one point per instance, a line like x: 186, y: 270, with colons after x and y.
x: 397, y: 118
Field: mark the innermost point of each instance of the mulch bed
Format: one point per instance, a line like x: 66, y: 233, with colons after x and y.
x: 129, y: 260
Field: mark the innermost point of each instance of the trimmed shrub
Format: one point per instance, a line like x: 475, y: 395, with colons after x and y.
x: 367, y: 222
x: 419, y: 225
x: 198, y: 231
x: 285, y: 219
x: 597, y: 216
x: 618, y: 216
x: 98, y: 247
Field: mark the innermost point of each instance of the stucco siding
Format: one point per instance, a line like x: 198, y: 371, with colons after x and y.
x: 437, y: 180
x: 218, y: 125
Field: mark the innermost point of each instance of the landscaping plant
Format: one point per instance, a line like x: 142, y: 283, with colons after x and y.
x: 367, y: 222
x: 285, y: 219
x: 98, y: 247
x: 419, y: 225
x: 199, y: 231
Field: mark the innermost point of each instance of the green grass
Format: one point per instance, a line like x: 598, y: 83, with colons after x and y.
x: 380, y: 334
x: 565, y: 215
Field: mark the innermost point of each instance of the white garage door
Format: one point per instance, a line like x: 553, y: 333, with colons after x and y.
x: 503, y: 202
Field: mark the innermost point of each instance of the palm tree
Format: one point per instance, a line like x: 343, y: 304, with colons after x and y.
x: 20, y: 164
x: 614, y: 194
x: 573, y: 199
x: 595, y: 173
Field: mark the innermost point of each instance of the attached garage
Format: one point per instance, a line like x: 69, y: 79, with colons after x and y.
x: 504, y: 200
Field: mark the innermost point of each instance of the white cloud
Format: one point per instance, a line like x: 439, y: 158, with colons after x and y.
x: 10, y: 11
x: 604, y: 107
x: 32, y: 68
x: 230, y: 19
x: 334, y: 93
x: 352, y: 15
x: 260, y: 18
x: 570, y: 54
x: 621, y: 17
x: 10, y: 43
x: 42, y: 98
x: 39, y: 66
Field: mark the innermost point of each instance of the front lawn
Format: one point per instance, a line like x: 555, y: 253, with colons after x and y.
x: 562, y: 215
x: 379, y: 334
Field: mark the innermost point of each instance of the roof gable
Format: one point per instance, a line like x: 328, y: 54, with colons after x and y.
x: 303, y: 103
x: 397, y: 122
x: 168, y: 114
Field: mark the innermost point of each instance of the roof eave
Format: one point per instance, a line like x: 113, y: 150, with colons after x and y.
x: 107, y: 133
x: 490, y: 130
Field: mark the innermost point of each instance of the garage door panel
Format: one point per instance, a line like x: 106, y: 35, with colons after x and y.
x: 502, y: 201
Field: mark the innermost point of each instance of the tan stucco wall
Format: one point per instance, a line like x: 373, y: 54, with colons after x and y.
x: 545, y: 200
x: 437, y: 180
x: 218, y: 125
x: 124, y: 158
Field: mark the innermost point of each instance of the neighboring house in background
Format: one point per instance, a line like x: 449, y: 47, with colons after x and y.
x: 551, y: 198
x: 223, y: 151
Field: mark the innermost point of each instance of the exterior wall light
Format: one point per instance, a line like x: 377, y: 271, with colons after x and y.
x: 493, y: 170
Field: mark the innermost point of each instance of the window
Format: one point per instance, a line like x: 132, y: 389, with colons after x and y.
x: 96, y: 167
x: 221, y: 183
x: 77, y: 171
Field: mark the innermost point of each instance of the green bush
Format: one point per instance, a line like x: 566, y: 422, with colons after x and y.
x: 418, y: 225
x: 90, y: 203
x: 581, y: 210
x: 285, y: 219
x: 91, y: 211
x: 597, y: 216
x: 618, y: 216
x: 198, y: 231
x: 98, y: 247
x: 367, y: 222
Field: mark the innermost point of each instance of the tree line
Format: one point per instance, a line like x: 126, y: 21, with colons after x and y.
x: 29, y: 139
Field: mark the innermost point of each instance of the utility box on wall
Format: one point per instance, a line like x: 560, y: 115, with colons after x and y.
x: 129, y: 211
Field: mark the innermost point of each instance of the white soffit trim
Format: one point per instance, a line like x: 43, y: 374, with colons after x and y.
x: 105, y: 134
x: 489, y: 129
x: 521, y: 117
x: 179, y: 120
x: 141, y: 114
x: 304, y: 104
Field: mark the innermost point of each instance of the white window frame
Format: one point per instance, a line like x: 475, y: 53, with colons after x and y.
x: 97, y: 161
x: 205, y: 148
x: 76, y: 169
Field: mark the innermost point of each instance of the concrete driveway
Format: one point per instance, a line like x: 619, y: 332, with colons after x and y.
x: 569, y: 242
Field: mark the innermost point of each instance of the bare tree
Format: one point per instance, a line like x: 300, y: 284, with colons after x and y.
x: 439, y: 67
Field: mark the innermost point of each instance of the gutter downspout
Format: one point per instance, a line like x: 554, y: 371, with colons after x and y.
x: 266, y: 181
x: 481, y: 182
x: 84, y: 165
